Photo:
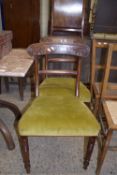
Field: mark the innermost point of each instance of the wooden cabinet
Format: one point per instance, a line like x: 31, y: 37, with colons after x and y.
x: 22, y: 17
x: 68, y: 16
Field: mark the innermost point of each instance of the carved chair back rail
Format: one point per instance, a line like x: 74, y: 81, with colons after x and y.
x: 77, y: 50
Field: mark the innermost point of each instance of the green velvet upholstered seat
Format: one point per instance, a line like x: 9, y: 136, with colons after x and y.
x: 58, y: 116
x: 57, y: 111
x: 63, y: 87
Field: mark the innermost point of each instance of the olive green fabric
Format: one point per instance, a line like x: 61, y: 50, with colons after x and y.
x: 58, y: 116
x: 63, y: 87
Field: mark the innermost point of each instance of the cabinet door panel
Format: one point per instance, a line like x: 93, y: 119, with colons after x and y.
x: 22, y: 17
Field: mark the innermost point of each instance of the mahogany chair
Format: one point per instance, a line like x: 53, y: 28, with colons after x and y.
x: 57, y: 110
x: 3, y: 128
x: 107, y: 111
x: 67, y: 17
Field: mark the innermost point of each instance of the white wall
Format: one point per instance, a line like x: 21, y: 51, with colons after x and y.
x: 44, y: 16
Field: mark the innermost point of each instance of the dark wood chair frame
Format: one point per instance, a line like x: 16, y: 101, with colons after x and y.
x: 79, y: 50
x: 67, y: 58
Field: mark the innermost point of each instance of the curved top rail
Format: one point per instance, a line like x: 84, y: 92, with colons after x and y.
x: 74, y: 49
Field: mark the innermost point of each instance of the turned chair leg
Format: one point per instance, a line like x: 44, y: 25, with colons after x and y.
x: 25, y: 152
x: 6, y: 133
x: 89, y: 150
x: 103, y: 152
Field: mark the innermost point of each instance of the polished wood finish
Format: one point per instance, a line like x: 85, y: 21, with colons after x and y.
x: 24, y: 144
x: 77, y: 50
x: 77, y: 63
x: 68, y: 17
x: 90, y: 147
x: 62, y: 39
x: 85, y: 71
x: 106, y: 119
x: 22, y: 17
x: 25, y: 152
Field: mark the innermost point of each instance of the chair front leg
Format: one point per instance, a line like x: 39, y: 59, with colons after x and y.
x: 89, y: 150
x: 25, y: 152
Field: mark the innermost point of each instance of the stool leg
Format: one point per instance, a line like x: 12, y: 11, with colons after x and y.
x: 25, y: 152
x: 103, y: 152
x: 89, y: 150
x: 6, y: 133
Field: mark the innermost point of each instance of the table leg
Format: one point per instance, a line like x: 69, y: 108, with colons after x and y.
x: 21, y: 87
x: 6, y: 80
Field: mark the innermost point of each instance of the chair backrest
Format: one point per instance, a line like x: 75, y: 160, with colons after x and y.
x: 49, y: 49
x: 109, y: 88
x: 67, y: 16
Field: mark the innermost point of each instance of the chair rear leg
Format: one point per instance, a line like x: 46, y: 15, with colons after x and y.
x: 103, y: 152
x: 25, y: 152
x: 89, y: 150
x: 96, y: 106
